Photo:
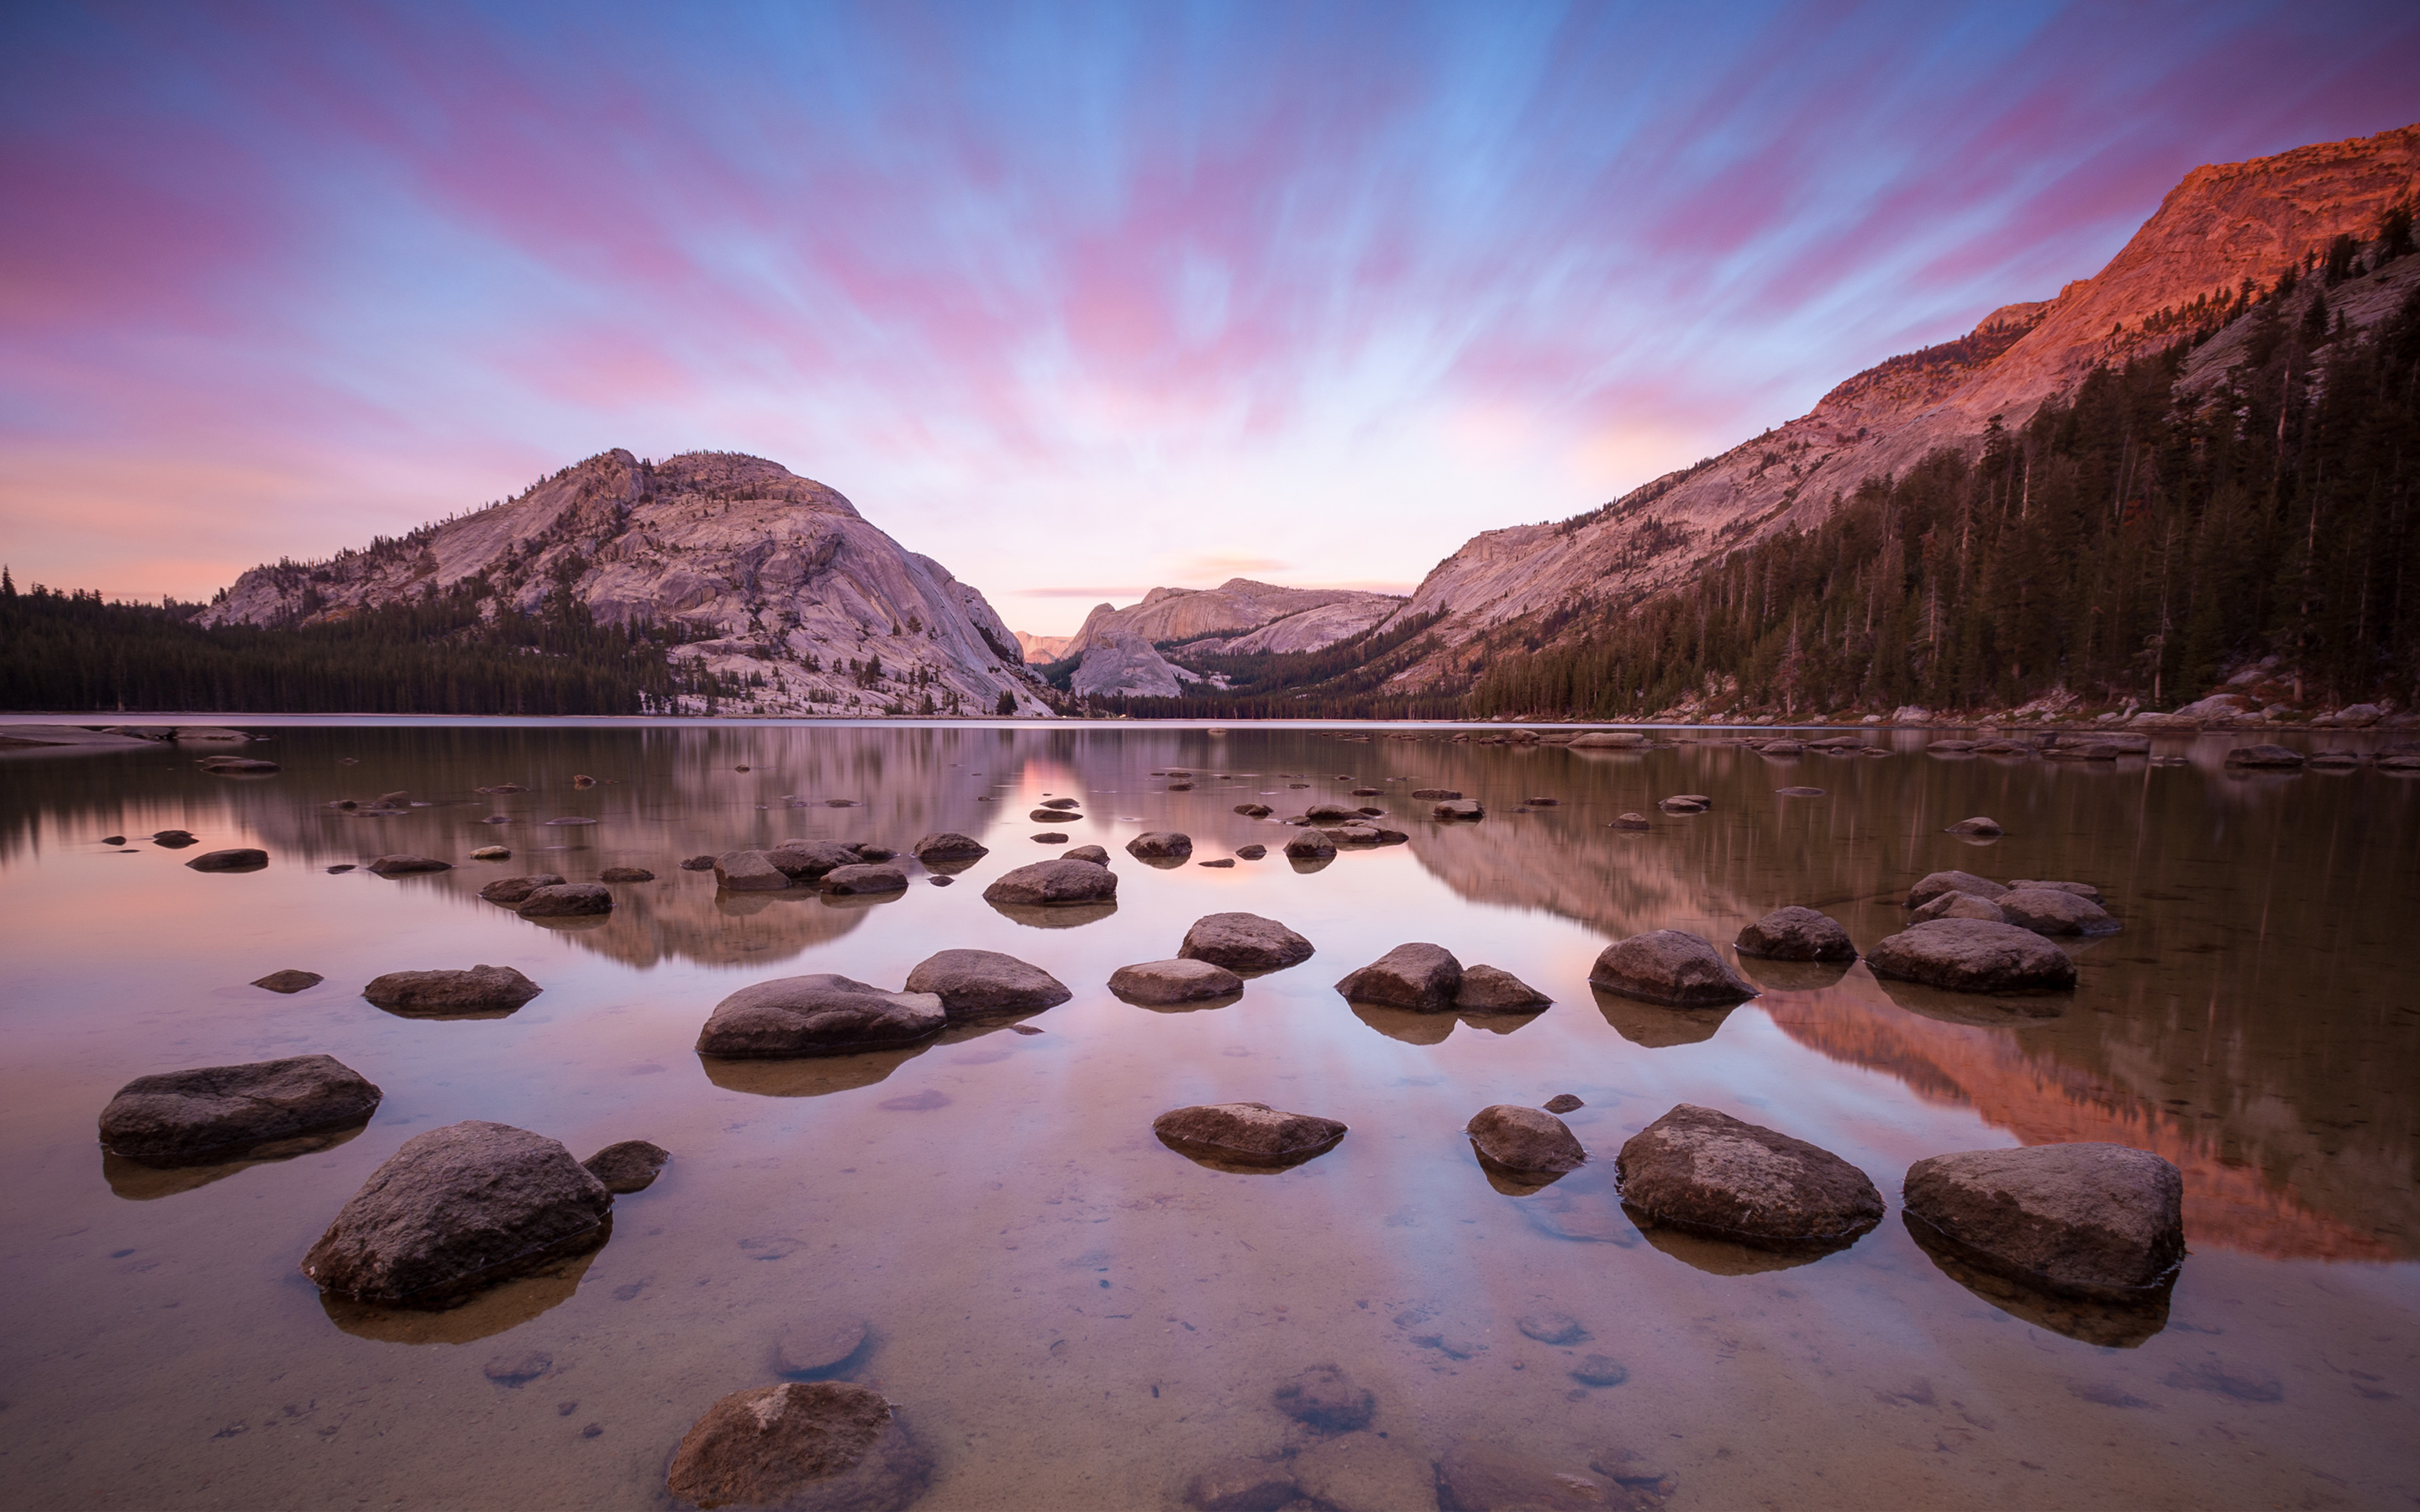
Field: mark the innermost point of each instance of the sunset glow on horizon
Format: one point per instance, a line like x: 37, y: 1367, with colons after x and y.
x: 1077, y: 300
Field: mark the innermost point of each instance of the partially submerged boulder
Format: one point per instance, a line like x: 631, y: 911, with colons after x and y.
x: 514, y: 892
x: 1254, y: 811
x: 971, y: 982
x: 1705, y: 1172
x: 1420, y: 977
x: 396, y: 866
x: 1310, y: 845
x: 1938, y: 882
x: 749, y: 872
x: 2089, y: 1220
x: 1493, y: 990
x: 1160, y: 844
x: 825, y: 1445
x: 567, y: 900
x: 2082, y: 890
x: 1959, y: 906
x: 631, y: 1165
x: 482, y: 989
x: 1325, y: 1399
x: 2056, y: 911
x: 1669, y: 967
x: 1629, y: 821
x: 239, y: 858
x: 819, y: 1015
x: 1057, y: 883
x: 2280, y: 758
x: 1795, y: 933
x: 1243, y: 942
x: 456, y: 1210
x: 1165, y: 984
x: 948, y: 845
x: 290, y: 980
x: 1980, y: 828
x: 1086, y: 853
x: 626, y: 873
x: 1973, y: 955
x: 192, y: 1118
x: 806, y: 859
x: 1457, y: 810
x: 1525, y: 1139
x: 864, y: 877
x: 1247, y: 1134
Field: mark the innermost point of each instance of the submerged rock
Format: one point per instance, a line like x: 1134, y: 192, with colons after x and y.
x: 1484, y: 1475
x: 1629, y: 821
x: 864, y: 877
x: 628, y: 1167
x: 1705, y: 1172
x: 820, y: 1348
x: 1525, y: 1139
x: 1326, y: 1399
x: 970, y: 983
x: 1669, y: 967
x: 948, y: 845
x: 806, y: 859
x: 1247, y: 1133
x: 242, y: 858
x: 1160, y: 844
x: 1493, y: 990
x: 1979, y: 827
x: 1056, y: 883
x: 456, y: 1210
x: 820, y: 1014
x: 567, y: 900
x: 626, y: 873
x: 1420, y: 977
x: 290, y: 980
x: 514, y: 892
x: 1973, y: 955
x: 1940, y: 882
x: 2056, y: 911
x: 1163, y: 983
x: 479, y: 990
x: 1796, y: 933
x: 1959, y: 906
x: 191, y: 1118
x: 1243, y: 942
x: 1549, y: 1327
x: 819, y: 1447
x: 2090, y: 1220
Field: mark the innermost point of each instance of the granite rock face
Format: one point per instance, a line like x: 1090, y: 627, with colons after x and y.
x: 1672, y: 967
x: 1247, y: 1133
x: 189, y: 1117
x: 819, y: 1015
x: 1708, y: 1173
x: 2092, y: 1220
x: 973, y: 982
x: 818, y: 1446
x: 482, y: 989
x: 1423, y: 978
x: 1795, y: 933
x: 1059, y: 883
x: 1243, y: 942
x: 1973, y: 955
x: 1525, y: 1139
x: 456, y: 1210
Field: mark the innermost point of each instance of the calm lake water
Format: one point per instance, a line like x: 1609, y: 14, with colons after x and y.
x: 1071, y: 1315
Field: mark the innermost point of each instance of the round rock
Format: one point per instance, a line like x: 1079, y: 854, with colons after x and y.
x: 1161, y: 983
x: 1493, y: 990
x: 820, y: 1444
x: 626, y: 873
x: 810, y: 858
x: 1420, y: 977
x: 632, y: 1165
x: 749, y: 872
x: 1525, y: 1139
x: 821, y: 1014
x: 970, y: 983
x: 187, y: 1118
x: 1310, y: 845
x: 1669, y: 967
x: 1708, y: 1173
x: 1247, y: 1134
x: 1160, y: 844
x: 865, y: 877
x: 1086, y: 853
x: 2090, y: 1220
x: 1054, y: 883
x: 1940, y: 882
x: 948, y: 845
x: 456, y: 1210
x: 479, y: 990
x: 1973, y: 955
x: 1243, y: 942
x: 241, y: 858
x: 567, y: 900
x: 2056, y: 911
x: 1795, y: 933
x: 1254, y: 811
x: 514, y: 892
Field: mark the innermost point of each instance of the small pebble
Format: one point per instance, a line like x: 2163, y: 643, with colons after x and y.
x: 1563, y: 1103
x: 1601, y: 1370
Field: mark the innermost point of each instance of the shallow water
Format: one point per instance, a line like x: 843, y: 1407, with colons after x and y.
x: 1071, y: 1315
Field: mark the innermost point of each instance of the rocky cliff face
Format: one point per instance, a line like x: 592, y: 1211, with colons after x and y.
x: 759, y: 573
x: 1119, y: 646
x: 1042, y: 649
x: 2219, y: 228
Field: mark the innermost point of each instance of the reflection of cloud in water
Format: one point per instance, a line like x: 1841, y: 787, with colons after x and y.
x: 139, y: 1182
x: 484, y: 1316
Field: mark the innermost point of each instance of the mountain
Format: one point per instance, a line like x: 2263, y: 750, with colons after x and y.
x: 1143, y: 651
x: 2221, y: 232
x: 1042, y: 649
x: 771, y: 581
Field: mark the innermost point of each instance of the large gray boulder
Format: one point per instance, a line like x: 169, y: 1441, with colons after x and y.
x: 2056, y: 911
x: 1796, y: 933
x: 1247, y: 1134
x: 482, y: 989
x: 1669, y: 967
x: 948, y: 845
x: 1166, y: 983
x: 864, y: 877
x: 1940, y: 882
x: 1243, y: 942
x: 1705, y: 1172
x: 1423, y: 978
x: 514, y: 892
x: 821, y: 1014
x: 820, y: 1446
x: 1973, y: 955
x: 806, y: 859
x: 191, y: 1118
x: 1160, y: 845
x: 1054, y: 883
x: 971, y: 982
x: 1493, y: 990
x: 2090, y: 1220
x: 241, y: 858
x: 456, y: 1210
x: 567, y: 900
x: 1525, y: 1139
x: 749, y: 872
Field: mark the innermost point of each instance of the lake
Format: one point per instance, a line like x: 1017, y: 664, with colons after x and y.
x: 1072, y: 1315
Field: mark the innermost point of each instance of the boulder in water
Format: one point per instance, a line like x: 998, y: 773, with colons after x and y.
x: 1165, y: 984
x: 2056, y: 911
x: 749, y: 872
x: 290, y: 980
x: 2278, y: 758
x: 1243, y: 942
x: 1493, y: 990
x: 626, y: 873
x: 1959, y: 906
x: 1705, y: 1172
x: 1310, y: 845
x: 1420, y: 977
x: 1094, y: 853
x: 1973, y: 955
x: 1938, y: 882
x: 1457, y: 810
x: 1247, y: 1134
x: 1629, y: 821
x: 514, y: 892
x: 1796, y: 933
x: 2092, y: 1220
x: 948, y: 845
x: 481, y: 989
x: 191, y: 1118
x: 1525, y: 1139
x: 567, y: 900
x: 1058, y: 882
x: 1669, y: 967
x: 396, y: 866
x: 821, y: 1014
x: 971, y: 982
x: 806, y: 859
x: 1160, y: 844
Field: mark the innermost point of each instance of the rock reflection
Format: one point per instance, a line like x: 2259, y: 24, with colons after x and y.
x: 2111, y: 1325
x: 1656, y: 1026
x: 1792, y: 976
x: 813, y: 1076
x: 1413, y: 1027
x: 487, y: 1314
x: 1070, y: 916
x: 1582, y: 1206
x: 139, y: 1182
x: 1973, y: 1010
x: 1722, y: 1257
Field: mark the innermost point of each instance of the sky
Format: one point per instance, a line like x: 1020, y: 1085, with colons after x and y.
x: 1077, y: 300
